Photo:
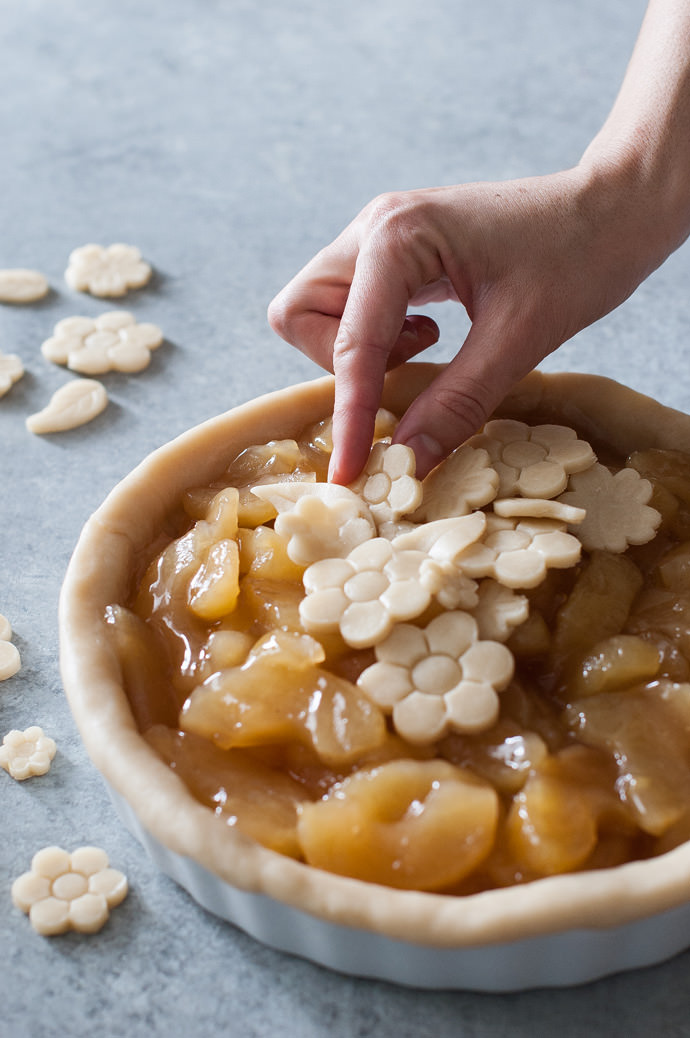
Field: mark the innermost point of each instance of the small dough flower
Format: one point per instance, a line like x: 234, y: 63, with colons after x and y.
x: 26, y: 754
x: 463, y: 482
x: 518, y: 554
x: 112, y: 342
x: 388, y: 484
x: 11, y: 370
x: 439, y: 678
x: 110, y: 271
x: 533, y: 461
x: 364, y: 594
x: 318, y: 520
x: 617, y: 513
x: 69, y: 891
x: 73, y: 404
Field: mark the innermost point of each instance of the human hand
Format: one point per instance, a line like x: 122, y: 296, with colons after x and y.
x: 532, y: 261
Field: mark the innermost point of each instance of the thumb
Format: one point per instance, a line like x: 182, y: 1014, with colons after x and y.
x: 461, y: 399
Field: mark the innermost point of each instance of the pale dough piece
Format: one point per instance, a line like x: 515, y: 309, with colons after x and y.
x: 10, y: 660
x: 5, y: 629
x: 69, y: 891
x: 11, y: 370
x: 538, y: 508
x: 26, y: 754
x: 440, y: 678
x: 22, y: 286
x: 112, y: 342
x: 73, y: 404
x: 107, y: 271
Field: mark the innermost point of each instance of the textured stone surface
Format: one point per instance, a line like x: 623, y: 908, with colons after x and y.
x: 229, y: 140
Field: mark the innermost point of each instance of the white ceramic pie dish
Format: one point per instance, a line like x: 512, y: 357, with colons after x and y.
x: 562, y: 930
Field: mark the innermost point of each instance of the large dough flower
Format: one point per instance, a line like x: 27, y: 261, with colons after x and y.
x: 438, y: 678
x: 518, y: 553
x: 364, y: 594
x: 533, y: 461
x: 617, y: 513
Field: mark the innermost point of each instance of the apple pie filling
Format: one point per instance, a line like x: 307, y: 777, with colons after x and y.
x: 454, y: 684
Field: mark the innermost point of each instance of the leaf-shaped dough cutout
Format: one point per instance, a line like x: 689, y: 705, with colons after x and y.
x: 73, y: 404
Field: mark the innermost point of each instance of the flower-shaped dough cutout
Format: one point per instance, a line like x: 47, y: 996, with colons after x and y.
x: 499, y: 610
x: 11, y: 370
x: 365, y: 594
x: 107, y: 271
x: 112, y: 342
x: 439, y: 678
x: 617, y: 513
x: 444, y: 541
x: 518, y: 554
x: 73, y: 404
x: 464, y: 481
x: 533, y: 461
x: 388, y: 484
x: 65, y: 891
x: 318, y: 520
x: 26, y: 754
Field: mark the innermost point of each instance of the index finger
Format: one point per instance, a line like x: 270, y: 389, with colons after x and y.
x: 371, y: 325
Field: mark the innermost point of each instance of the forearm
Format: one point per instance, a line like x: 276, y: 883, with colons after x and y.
x: 643, y: 150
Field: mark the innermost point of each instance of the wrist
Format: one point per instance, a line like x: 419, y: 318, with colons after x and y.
x: 639, y: 188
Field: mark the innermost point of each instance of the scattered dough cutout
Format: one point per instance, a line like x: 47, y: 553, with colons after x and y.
x: 10, y: 660
x: 26, y: 754
x: 112, y: 342
x: 75, y: 403
x: 22, y: 286
x: 464, y: 481
x: 439, y: 678
x: 65, y: 891
x: 533, y: 461
x: 365, y: 594
x: 107, y: 271
x: 318, y: 520
x: 11, y: 370
x: 518, y: 554
x: 617, y: 513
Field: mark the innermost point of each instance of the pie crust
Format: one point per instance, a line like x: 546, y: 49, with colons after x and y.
x: 100, y: 573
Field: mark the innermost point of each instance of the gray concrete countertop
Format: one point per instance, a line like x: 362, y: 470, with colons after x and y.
x: 229, y: 140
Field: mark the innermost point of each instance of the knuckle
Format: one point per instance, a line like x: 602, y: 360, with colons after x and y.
x: 465, y: 405
x: 393, y: 212
x: 280, y: 316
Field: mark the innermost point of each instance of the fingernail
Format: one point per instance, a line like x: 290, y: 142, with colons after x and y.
x: 428, y: 452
